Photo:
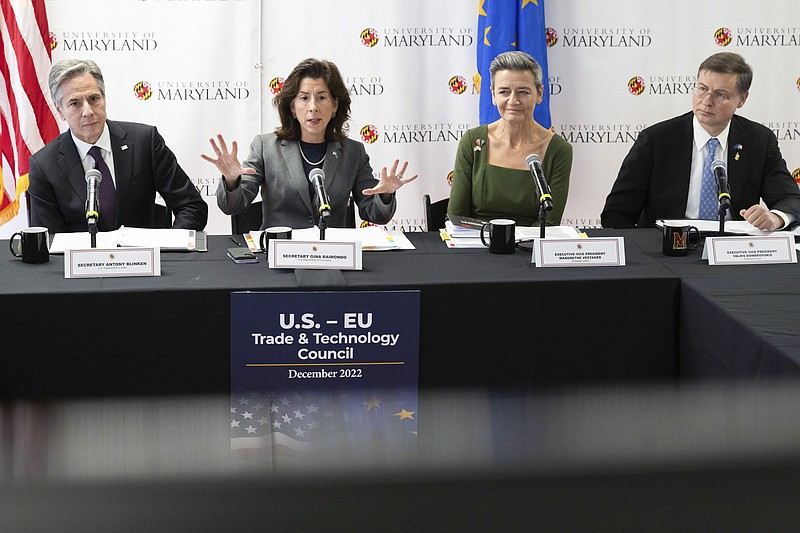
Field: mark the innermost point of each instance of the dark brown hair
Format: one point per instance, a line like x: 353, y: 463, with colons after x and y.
x: 315, y: 69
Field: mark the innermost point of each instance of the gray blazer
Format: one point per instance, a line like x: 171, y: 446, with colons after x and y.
x: 285, y: 196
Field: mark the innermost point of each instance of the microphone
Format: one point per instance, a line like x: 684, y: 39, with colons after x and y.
x: 317, y: 178
x: 720, y: 170
x: 93, y: 179
x: 542, y: 188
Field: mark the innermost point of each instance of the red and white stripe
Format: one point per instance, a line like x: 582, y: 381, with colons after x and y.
x: 27, y: 116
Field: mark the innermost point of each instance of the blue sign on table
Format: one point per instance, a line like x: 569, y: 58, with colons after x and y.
x: 313, y: 370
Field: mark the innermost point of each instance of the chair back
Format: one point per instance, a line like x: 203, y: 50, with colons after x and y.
x: 247, y: 221
x: 435, y: 212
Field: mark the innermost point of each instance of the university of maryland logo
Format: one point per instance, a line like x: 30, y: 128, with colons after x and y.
x: 796, y: 175
x: 450, y: 178
x: 797, y: 83
x: 53, y: 41
x: 722, y: 37
x: 365, y: 224
x: 679, y: 240
x: 369, y: 133
x: 458, y: 84
x: 551, y: 37
x: 143, y: 90
x: 636, y: 85
x: 276, y: 84
x: 369, y: 37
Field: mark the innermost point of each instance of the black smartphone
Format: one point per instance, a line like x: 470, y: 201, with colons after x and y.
x: 242, y: 255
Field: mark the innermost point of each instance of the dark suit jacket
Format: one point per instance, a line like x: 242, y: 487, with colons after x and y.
x: 285, y: 196
x: 653, y: 181
x: 142, y: 165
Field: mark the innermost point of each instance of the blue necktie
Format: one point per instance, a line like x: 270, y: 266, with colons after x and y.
x: 108, y: 194
x: 709, y: 200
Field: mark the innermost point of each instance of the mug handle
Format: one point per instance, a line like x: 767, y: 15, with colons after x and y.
x: 261, y: 241
x: 11, y: 244
x: 688, y: 237
x: 487, y: 225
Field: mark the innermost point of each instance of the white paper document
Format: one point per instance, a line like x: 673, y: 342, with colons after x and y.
x: 372, y: 238
x: 741, y: 227
x: 164, y: 238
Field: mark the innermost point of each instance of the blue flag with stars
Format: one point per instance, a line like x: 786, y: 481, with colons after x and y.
x: 505, y: 25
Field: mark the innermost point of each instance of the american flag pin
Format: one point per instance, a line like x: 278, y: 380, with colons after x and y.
x: 336, y: 155
x: 124, y: 147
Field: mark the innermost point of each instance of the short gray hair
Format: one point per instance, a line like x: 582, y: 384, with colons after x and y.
x: 69, y: 69
x: 518, y: 61
x: 730, y: 63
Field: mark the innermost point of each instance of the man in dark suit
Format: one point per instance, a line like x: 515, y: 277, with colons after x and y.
x: 133, y: 159
x: 662, y: 175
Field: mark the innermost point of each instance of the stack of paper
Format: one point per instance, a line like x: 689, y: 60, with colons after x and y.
x: 462, y: 237
x: 372, y: 238
x: 165, y: 239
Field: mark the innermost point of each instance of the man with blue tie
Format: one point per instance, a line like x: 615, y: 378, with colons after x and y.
x: 132, y: 158
x: 668, y: 172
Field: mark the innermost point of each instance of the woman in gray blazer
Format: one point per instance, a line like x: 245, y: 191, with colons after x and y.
x: 314, y: 106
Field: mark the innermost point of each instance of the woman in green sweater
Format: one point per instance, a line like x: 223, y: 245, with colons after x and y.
x: 490, y: 179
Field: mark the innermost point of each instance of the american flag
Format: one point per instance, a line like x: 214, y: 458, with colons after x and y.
x: 326, y: 424
x: 27, y: 120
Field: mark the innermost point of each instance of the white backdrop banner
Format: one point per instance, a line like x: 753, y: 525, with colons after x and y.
x: 195, y: 68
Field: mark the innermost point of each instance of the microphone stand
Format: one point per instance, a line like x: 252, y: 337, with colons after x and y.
x: 322, y: 227
x: 722, y: 211
x: 542, y: 216
x: 93, y: 231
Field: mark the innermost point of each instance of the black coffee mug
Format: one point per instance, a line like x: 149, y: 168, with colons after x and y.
x: 501, y: 235
x: 33, y: 245
x: 275, y: 232
x: 676, y: 239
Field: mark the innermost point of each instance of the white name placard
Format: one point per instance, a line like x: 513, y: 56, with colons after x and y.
x: 286, y: 253
x: 750, y: 250
x: 596, y: 251
x: 112, y: 262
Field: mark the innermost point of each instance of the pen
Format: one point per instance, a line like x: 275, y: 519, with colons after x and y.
x: 236, y: 242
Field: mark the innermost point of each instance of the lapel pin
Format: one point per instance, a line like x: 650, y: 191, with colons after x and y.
x: 737, y: 147
x: 124, y: 147
x: 336, y: 154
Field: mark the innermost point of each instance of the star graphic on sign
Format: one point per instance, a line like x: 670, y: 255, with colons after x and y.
x: 403, y: 414
x: 273, y: 408
x: 299, y: 432
x: 263, y: 420
x: 287, y: 419
x: 372, y: 403
x: 312, y: 408
x: 244, y: 401
x: 526, y: 2
x: 247, y: 414
x: 234, y: 424
x: 298, y: 414
x: 481, y: 11
x: 277, y: 425
x: 250, y: 429
x: 486, y: 36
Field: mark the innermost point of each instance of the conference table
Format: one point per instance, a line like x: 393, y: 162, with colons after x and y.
x: 486, y: 320
x: 735, y: 320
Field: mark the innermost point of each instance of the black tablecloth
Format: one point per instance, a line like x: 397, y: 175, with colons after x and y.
x: 486, y: 320
x: 735, y: 320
